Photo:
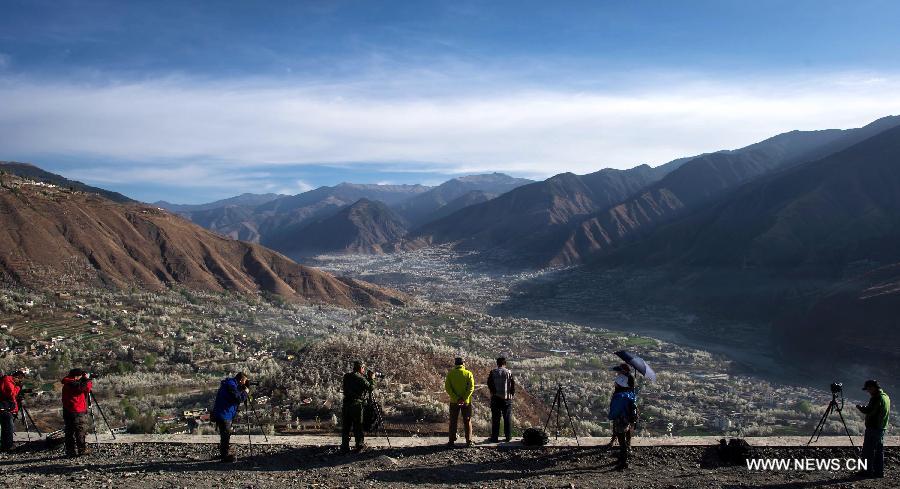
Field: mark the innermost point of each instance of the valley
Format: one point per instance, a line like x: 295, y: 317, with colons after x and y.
x: 712, y: 268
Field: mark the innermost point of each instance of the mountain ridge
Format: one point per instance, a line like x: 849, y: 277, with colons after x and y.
x: 60, y: 239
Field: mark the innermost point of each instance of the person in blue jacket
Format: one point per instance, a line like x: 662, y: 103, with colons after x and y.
x: 232, y: 392
x: 623, y: 413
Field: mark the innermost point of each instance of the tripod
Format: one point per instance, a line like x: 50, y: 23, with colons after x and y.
x: 249, y: 422
x: 91, y: 402
x: 559, y: 401
x: 832, y: 406
x: 26, y: 418
x: 378, y: 424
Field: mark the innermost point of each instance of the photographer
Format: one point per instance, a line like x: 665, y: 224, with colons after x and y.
x: 75, y: 391
x: 877, y: 412
x: 232, y: 392
x: 357, y: 385
x: 10, y: 387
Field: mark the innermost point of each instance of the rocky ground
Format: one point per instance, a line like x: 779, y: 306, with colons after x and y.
x: 170, y: 465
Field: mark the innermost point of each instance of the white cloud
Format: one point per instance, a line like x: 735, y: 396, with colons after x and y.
x: 535, y: 132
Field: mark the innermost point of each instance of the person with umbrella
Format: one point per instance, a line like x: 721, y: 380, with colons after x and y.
x: 623, y: 405
x: 623, y: 382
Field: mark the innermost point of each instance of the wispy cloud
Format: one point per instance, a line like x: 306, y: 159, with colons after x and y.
x: 205, y: 129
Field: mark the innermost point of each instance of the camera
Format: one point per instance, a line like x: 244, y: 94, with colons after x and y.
x: 837, y: 387
x: 378, y: 375
x: 253, y: 383
x: 91, y: 376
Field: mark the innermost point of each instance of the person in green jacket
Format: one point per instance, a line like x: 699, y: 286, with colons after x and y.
x: 877, y: 412
x: 460, y: 384
x: 357, y: 386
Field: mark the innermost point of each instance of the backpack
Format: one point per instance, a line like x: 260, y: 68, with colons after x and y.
x: 735, y: 451
x: 535, y: 437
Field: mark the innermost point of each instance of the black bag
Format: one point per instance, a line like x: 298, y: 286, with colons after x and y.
x: 535, y: 437
x: 735, y: 451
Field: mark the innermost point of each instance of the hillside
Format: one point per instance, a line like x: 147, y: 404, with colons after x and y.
x: 428, y: 206
x: 856, y: 320
x: 821, y: 216
x: 697, y: 183
x: 363, y: 227
x: 31, y: 172
x: 246, y: 200
x: 58, y: 238
x: 236, y: 222
x: 469, y: 198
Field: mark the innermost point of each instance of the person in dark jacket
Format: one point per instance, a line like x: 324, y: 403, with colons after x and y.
x: 877, y: 413
x: 10, y: 386
x: 76, y: 388
x: 358, y: 384
x: 232, y: 392
x: 624, y: 382
x: 503, y: 388
x: 622, y: 412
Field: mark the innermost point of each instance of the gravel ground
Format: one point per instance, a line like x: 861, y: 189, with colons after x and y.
x: 170, y: 465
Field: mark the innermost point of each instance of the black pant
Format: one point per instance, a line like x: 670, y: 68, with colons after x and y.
x: 6, y: 430
x: 352, y: 422
x: 76, y: 428
x: 873, y: 451
x: 501, y: 407
x: 224, y: 428
x: 622, y: 430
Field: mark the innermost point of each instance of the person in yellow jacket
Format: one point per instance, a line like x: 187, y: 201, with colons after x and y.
x: 460, y: 384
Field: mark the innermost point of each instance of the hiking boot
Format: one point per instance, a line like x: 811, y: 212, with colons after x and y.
x: 345, y: 449
x: 451, y: 444
x: 469, y: 444
x: 360, y: 448
x: 229, y: 459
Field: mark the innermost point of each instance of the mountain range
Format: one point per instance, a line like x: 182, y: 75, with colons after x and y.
x: 791, y: 244
x: 567, y: 218
x: 291, y: 223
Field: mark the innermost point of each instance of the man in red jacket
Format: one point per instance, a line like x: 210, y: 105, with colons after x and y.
x: 10, y: 385
x: 76, y: 388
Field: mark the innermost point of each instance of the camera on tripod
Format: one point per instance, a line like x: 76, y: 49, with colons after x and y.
x: 378, y: 375
x: 837, y: 387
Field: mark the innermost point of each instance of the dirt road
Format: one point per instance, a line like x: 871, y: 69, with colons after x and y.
x: 190, y: 465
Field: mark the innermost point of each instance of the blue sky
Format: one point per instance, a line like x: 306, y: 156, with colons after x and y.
x: 193, y: 101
